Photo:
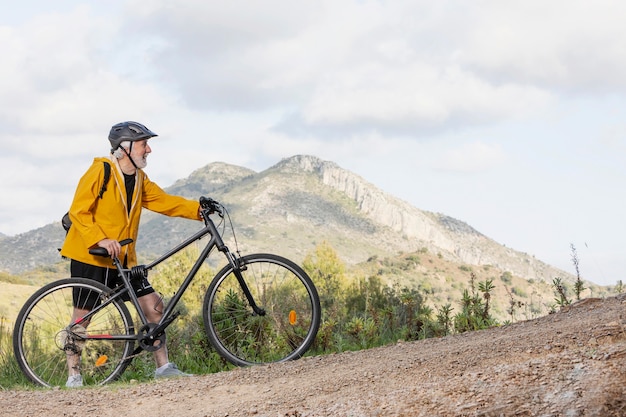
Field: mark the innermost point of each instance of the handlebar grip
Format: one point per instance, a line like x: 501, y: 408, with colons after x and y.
x: 207, y: 203
x: 126, y: 241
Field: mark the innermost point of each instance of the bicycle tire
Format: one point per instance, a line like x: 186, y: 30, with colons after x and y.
x: 42, y: 343
x: 287, y: 295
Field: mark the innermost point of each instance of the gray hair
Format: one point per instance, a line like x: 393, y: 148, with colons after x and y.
x: 119, y: 153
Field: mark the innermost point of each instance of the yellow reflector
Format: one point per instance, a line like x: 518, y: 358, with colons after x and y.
x: 102, y: 360
x: 292, y: 317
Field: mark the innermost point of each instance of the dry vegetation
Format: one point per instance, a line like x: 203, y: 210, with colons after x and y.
x: 442, y: 282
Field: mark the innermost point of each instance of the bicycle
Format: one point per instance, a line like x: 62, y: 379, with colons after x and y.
x: 258, y: 309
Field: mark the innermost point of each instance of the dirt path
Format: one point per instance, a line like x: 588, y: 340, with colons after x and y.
x: 572, y: 363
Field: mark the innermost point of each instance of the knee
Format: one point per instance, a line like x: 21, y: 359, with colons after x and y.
x: 152, y: 306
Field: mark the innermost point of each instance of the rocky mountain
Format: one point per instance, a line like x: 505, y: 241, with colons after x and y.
x: 32, y: 249
x: 289, y: 209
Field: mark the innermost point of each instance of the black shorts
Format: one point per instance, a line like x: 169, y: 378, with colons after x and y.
x: 106, y: 276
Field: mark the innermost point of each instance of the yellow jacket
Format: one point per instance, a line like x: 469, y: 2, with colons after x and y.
x: 94, y: 219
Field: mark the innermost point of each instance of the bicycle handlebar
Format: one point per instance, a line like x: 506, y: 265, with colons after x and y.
x: 207, y: 203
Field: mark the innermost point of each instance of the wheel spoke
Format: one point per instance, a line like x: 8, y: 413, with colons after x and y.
x: 283, y: 291
x: 46, y: 345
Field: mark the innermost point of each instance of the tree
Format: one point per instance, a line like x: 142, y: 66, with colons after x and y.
x: 485, y: 287
x: 327, y: 272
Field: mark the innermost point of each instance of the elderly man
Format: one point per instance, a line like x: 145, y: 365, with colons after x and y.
x: 103, y: 214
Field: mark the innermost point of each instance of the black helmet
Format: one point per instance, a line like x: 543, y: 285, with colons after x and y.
x: 128, y: 131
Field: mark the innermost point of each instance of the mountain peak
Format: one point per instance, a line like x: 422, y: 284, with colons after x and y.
x: 210, y: 177
x: 302, y: 163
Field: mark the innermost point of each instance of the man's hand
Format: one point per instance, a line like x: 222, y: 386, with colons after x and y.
x: 112, y: 246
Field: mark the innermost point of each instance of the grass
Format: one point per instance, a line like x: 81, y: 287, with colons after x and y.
x: 187, y: 347
x: 11, y: 376
x: 13, y: 298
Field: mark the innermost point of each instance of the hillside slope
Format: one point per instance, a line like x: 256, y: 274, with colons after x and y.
x: 301, y: 201
x: 571, y: 363
x: 290, y: 208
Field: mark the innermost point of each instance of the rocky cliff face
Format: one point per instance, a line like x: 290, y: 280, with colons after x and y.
x: 439, y: 233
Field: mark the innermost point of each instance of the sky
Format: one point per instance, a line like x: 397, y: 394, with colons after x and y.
x: 509, y: 116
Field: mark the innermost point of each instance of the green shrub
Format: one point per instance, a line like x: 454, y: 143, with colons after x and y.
x: 506, y: 277
x: 519, y: 292
x: 359, y: 313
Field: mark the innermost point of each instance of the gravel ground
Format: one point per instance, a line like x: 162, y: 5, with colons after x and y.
x: 571, y: 363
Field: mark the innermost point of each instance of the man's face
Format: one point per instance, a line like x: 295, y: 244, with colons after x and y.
x: 139, y: 153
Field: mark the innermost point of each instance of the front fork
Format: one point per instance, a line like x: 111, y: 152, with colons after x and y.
x: 238, y: 266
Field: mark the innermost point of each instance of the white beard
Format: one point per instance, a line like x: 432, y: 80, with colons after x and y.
x: 142, y: 162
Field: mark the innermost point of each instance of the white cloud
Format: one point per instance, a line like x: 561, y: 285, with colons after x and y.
x: 417, y: 96
x: 59, y: 89
x: 387, y: 67
x: 556, y: 44
x: 471, y: 157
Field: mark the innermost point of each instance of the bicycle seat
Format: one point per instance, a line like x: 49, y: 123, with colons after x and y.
x: 103, y: 252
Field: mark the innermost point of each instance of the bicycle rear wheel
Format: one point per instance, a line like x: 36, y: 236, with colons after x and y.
x: 45, y: 340
x: 289, y: 299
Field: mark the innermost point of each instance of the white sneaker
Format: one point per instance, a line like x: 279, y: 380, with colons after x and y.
x: 74, y: 381
x: 169, y: 370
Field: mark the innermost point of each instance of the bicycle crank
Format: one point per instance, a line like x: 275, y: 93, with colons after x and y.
x: 150, y: 341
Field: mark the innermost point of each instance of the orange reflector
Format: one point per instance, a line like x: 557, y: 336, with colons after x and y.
x: 102, y: 360
x: 292, y: 317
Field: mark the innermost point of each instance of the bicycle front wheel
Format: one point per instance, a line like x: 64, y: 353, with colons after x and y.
x: 47, y: 343
x: 283, y: 331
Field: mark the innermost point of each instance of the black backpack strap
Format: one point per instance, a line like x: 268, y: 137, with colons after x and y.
x: 107, y: 175
x: 65, y: 221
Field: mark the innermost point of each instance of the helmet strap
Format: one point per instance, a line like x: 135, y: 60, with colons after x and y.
x: 127, y: 152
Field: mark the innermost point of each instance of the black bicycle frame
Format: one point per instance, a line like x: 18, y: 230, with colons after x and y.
x: 169, y: 315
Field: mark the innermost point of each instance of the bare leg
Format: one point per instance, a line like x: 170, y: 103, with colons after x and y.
x: 152, y: 306
x: 73, y: 358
